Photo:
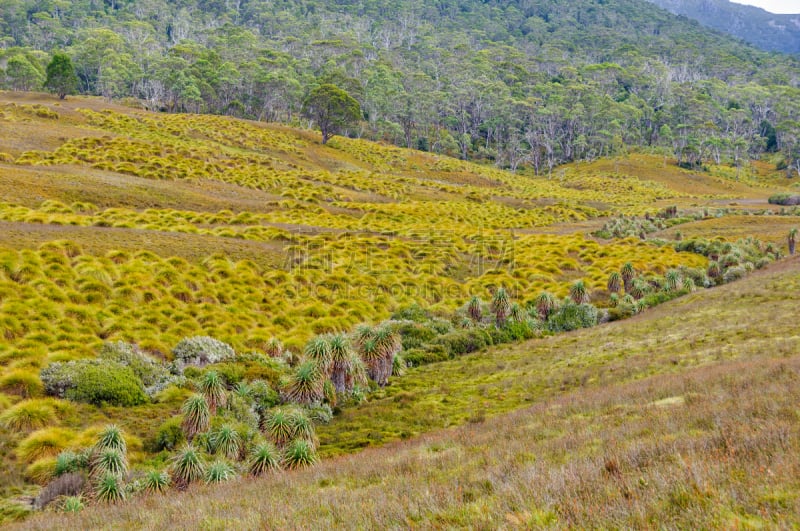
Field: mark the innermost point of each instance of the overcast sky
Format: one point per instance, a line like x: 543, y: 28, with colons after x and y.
x: 775, y: 6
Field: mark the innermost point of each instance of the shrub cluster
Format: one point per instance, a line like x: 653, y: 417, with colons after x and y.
x: 784, y: 199
x: 97, y: 381
x: 200, y: 351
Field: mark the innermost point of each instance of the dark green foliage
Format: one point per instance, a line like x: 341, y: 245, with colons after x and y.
x: 147, y: 369
x: 68, y: 462
x: 414, y: 312
x: 94, y: 381
x: 263, y: 396
x: 170, y: 435
x: 106, y: 383
x: 415, y: 334
x: 572, y: 316
x: 61, y: 78
x: 419, y: 356
x: 332, y: 108
x: 462, y: 342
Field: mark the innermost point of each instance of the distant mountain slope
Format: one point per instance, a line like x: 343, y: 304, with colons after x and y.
x: 779, y: 33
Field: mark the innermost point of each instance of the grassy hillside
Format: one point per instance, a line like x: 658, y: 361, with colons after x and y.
x: 118, y: 224
x: 686, y: 414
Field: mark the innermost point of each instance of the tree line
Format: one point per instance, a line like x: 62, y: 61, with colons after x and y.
x: 525, y: 82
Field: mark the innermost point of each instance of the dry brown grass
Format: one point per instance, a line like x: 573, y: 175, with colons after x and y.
x: 772, y: 228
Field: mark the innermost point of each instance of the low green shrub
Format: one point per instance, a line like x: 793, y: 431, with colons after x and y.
x: 169, y: 435
x: 572, y: 316
x: 94, y: 381
x: 419, y: 356
x: 150, y: 371
x: 460, y: 342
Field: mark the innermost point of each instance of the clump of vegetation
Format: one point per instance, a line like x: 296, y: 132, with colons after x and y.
x: 95, y: 382
x: 784, y: 199
x: 200, y: 351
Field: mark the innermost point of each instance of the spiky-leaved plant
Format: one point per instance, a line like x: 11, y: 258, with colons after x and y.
x: 227, y: 441
x: 501, y: 306
x: 474, y: 309
x: 263, y: 459
x: 672, y: 280
x: 361, y: 335
x: 714, y: 270
x: 111, y: 437
x: 278, y: 426
x: 341, y: 361
x: 243, y: 390
x: 187, y: 467
x: 614, y: 282
x: 638, y: 288
x: 302, y: 427
x: 109, y: 461
x: 628, y: 273
x: 219, y: 471
x: 516, y: 314
x: 156, y: 482
x: 399, y: 366
x: 378, y: 353
x: 196, y: 416
x: 299, y: 454
x: 688, y: 284
x: 318, y: 350
x: 274, y: 348
x: 212, y: 387
x: 109, y: 489
x: 329, y: 392
x: 356, y: 375
x: 372, y: 356
x: 73, y: 504
x: 306, y: 384
x: 578, y: 293
x: 546, y: 304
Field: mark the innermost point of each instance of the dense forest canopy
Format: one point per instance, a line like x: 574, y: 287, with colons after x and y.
x: 517, y: 82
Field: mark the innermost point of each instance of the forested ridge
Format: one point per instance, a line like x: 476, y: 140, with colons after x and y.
x: 769, y: 31
x: 524, y: 82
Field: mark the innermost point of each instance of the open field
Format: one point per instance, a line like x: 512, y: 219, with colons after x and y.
x: 686, y: 414
x: 122, y: 225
